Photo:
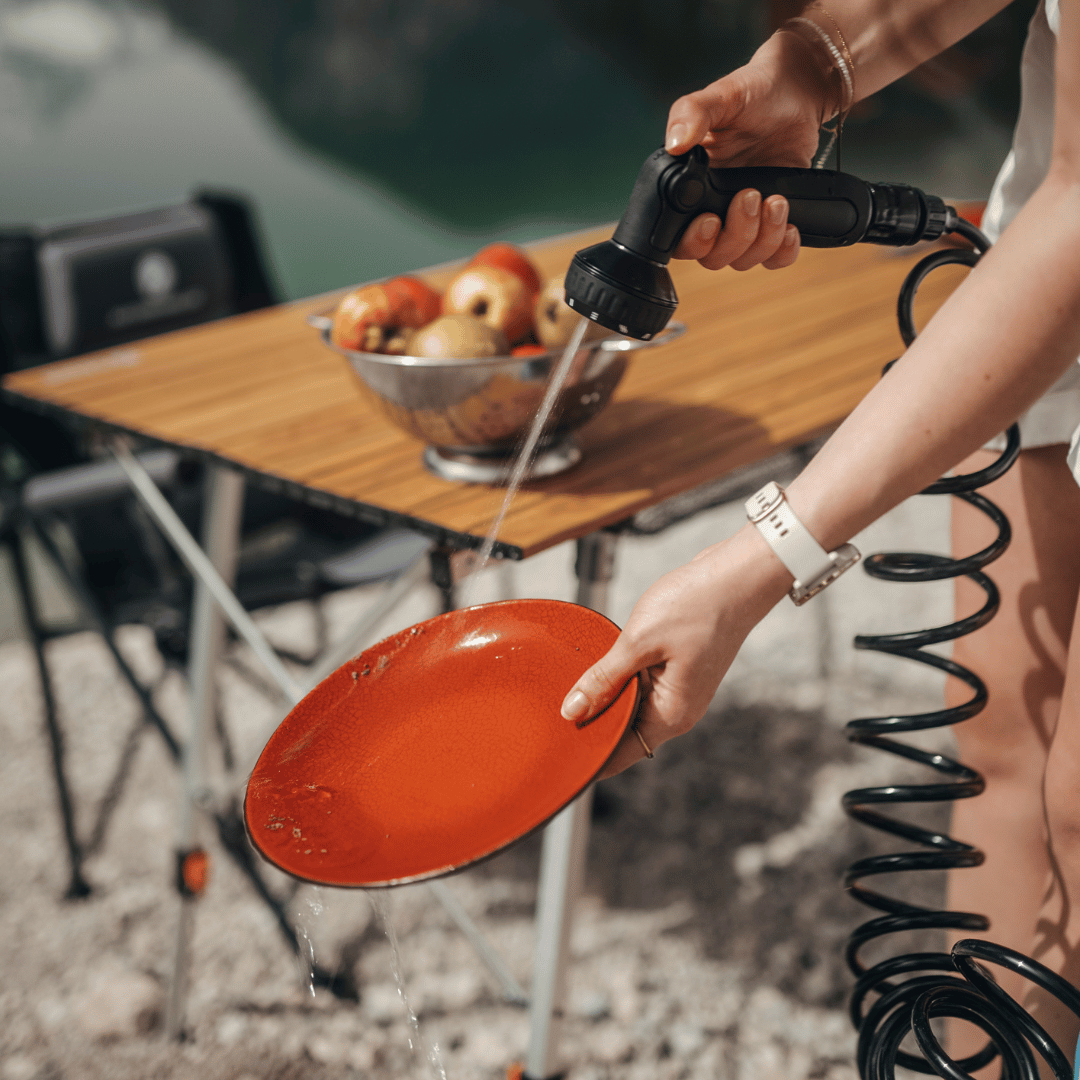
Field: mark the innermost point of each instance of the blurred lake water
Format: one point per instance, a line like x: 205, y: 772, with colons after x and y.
x: 376, y: 137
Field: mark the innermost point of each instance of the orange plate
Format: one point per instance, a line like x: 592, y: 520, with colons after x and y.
x: 435, y: 748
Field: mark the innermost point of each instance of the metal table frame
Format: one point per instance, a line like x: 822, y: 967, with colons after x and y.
x: 213, y: 565
x: 565, y: 838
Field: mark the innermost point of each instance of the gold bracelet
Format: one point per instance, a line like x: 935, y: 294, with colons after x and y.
x: 843, y: 42
x: 837, y: 59
x: 644, y: 744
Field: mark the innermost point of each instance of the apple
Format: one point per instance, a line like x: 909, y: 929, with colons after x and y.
x: 459, y: 336
x: 379, y: 318
x: 555, y: 321
x: 495, y: 296
x: 513, y: 259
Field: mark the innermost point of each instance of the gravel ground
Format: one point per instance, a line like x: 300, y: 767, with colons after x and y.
x: 708, y: 943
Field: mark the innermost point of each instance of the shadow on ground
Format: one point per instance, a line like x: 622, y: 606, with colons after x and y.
x: 669, y: 830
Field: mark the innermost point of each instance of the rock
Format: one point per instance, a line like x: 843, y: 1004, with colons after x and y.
x: 487, y: 1049
x: 231, y: 1028
x: 19, y: 1067
x: 362, y: 1056
x: 52, y: 1012
x: 118, y: 1003
x: 610, y: 1043
x: 326, y: 1049
x: 595, y: 1006
x: 685, y: 1039
x: 382, y: 1003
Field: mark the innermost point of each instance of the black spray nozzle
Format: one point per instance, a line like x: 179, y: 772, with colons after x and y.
x: 624, y: 283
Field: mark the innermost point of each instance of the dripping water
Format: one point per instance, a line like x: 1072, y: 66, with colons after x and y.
x: 526, y: 455
x: 380, y: 904
x: 306, y: 918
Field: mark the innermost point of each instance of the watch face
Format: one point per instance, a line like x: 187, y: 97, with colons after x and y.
x: 108, y: 282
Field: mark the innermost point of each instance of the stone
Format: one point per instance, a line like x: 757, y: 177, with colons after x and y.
x: 685, y: 1039
x: 382, y: 1003
x: 118, y: 1003
x: 595, y: 1006
x: 19, y: 1067
x: 362, y: 1056
x: 326, y: 1049
x: 231, y: 1028
x: 610, y: 1043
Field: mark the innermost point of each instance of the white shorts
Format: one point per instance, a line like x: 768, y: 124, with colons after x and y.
x: 1054, y: 418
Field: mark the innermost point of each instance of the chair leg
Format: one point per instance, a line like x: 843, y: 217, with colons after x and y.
x: 78, y: 887
x: 92, y: 612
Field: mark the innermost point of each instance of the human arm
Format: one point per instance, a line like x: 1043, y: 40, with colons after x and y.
x: 769, y: 111
x: 1010, y: 329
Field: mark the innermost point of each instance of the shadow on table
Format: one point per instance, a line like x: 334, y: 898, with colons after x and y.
x: 640, y: 443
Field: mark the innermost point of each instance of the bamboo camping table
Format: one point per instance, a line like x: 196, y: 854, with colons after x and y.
x: 770, y: 361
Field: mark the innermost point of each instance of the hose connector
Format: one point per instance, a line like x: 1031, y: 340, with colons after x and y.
x: 904, y: 215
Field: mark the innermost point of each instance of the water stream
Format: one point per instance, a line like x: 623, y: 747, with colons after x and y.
x: 527, y: 452
x: 380, y: 903
x: 306, y: 918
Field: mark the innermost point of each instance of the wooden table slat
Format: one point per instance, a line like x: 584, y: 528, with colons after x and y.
x: 770, y: 360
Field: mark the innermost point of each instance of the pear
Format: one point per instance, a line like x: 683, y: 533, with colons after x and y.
x: 458, y: 336
x: 554, y: 321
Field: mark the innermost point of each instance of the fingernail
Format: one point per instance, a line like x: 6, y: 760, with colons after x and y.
x: 677, y: 136
x: 777, y: 211
x: 575, y: 706
x: 709, y: 228
x: 751, y: 203
x: 791, y: 234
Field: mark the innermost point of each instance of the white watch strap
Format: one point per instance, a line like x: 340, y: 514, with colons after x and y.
x: 809, y: 563
x: 794, y: 546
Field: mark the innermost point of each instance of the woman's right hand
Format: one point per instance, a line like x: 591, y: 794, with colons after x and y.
x: 767, y: 112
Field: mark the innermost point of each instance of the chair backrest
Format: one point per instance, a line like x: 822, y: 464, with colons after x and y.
x: 73, y: 288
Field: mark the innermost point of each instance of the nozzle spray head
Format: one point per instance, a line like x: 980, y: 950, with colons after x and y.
x: 624, y: 284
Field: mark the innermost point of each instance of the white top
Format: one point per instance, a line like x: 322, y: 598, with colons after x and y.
x: 1029, y: 159
x: 1055, y: 417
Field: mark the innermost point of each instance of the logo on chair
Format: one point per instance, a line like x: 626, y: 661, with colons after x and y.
x: 155, y: 275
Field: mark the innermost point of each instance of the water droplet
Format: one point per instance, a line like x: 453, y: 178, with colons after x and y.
x: 306, y: 917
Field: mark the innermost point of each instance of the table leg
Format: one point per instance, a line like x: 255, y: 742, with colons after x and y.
x: 562, y: 863
x: 221, y: 532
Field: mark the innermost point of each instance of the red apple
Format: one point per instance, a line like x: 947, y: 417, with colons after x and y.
x: 511, y: 258
x: 378, y: 318
x: 493, y: 296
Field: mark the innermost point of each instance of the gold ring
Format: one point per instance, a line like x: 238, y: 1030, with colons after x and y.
x: 644, y: 744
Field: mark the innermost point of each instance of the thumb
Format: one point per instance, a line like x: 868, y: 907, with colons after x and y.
x: 693, y: 116
x: 601, y: 684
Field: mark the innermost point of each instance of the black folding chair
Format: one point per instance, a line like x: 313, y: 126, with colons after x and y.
x: 101, y: 285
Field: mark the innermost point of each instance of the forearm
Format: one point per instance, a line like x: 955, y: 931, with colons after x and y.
x: 886, y: 41
x: 1000, y: 340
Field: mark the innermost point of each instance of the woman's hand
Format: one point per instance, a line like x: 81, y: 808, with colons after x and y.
x: 768, y: 112
x: 681, y: 637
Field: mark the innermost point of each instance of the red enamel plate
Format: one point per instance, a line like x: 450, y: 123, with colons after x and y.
x: 436, y: 747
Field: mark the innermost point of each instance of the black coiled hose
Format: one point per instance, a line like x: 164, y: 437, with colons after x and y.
x: 914, y: 988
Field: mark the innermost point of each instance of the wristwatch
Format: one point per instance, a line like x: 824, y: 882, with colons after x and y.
x: 810, y: 564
